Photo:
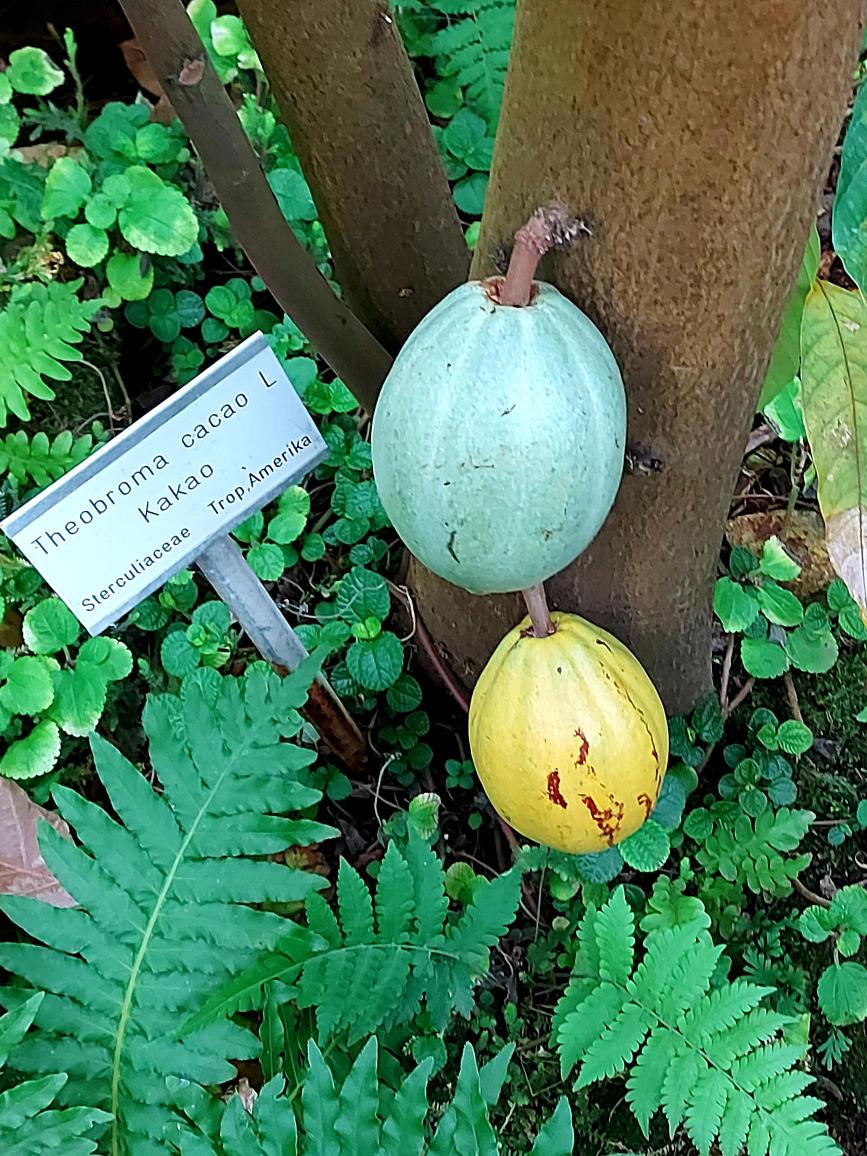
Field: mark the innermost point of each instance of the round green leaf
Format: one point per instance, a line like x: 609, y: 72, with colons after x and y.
x: 735, y: 606
x: 469, y: 194
x: 67, y: 187
x: 293, y: 195
x: 32, y: 72
x: 50, y: 626
x: 107, y: 658
x: 405, y: 695
x: 33, y: 755
x: 763, y: 658
x: 815, y: 654
x: 376, y: 664
x: 600, y: 866
x: 28, y: 688
x: 179, y: 656
x: 130, y: 275
x: 99, y: 211
x: 79, y: 699
x: 647, y: 849
x: 86, y: 245
x: 157, y: 218
x: 794, y: 737
x: 291, y: 517
x: 266, y: 561
x: 362, y: 594
x: 842, y: 992
x: 215, y: 616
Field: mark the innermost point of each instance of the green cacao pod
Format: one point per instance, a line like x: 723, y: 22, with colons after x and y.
x: 498, y: 438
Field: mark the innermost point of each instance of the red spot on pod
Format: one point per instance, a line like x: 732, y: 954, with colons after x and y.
x: 554, y: 790
x: 583, y: 750
x: 647, y: 803
x: 607, y: 820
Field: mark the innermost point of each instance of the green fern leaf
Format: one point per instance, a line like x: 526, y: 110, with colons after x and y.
x: 164, y: 911
x: 705, y: 1112
x: 619, y: 1042
x: 359, y: 977
x: 40, y: 329
x: 27, y: 1122
x: 40, y: 460
x: 393, y: 897
x: 475, y: 50
x: 614, y: 929
x: 355, y: 1116
x: 710, y: 1058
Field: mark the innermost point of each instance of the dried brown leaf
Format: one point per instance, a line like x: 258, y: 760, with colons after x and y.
x: 22, y: 868
x: 803, y: 535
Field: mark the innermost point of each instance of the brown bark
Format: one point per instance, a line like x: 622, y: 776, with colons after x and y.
x: 693, y: 137
x: 346, y: 90
x: 164, y: 32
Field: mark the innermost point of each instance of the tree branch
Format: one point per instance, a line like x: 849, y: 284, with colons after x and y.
x: 177, y: 55
x: 346, y: 91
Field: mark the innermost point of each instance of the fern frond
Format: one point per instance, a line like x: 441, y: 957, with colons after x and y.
x: 710, y: 1058
x: 474, y: 48
x: 28, y: 1124
x: 353, y: 1116
x: 363, y: 973
x: 40, y: 329
x: 751, y: 851
x: 40, y: 460
x: 164, y: 896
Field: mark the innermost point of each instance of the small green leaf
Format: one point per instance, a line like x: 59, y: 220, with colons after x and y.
x: 794, y: 737
x: 79, y: 700
x: 779, y: 605
x: 647, y: 849
x: 776, y: 562
x: 67, y: 187
x: 107, y: 658
x: 405, y: 695
x: 157, y: 218
x: 469, y: 194
x: 377, y: 664
x: 266, y: 561
x: 763, y: 658
x: 32, y: 72
x: 86, y: 245
x: 28, y: 688
x: 179, y: 656
x: 362, y: 594
x: 291, y: 518
x: 734, y: 605
x: 815, y: 654
x: 130, y: 275
x: 842, y: 993
x: 33, y: 755
x: 50, y: 626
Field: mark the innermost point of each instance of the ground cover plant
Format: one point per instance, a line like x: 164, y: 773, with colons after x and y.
x: 220, y: 936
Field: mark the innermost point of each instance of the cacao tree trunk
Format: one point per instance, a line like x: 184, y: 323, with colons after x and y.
x: 694, y: 137
x: 346, y: 91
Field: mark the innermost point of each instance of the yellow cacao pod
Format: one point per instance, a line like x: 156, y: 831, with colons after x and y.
x: 568, y: 736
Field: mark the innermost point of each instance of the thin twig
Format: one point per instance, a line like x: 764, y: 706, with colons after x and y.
x: 382, y: 771
x: 726, y: 673
x: 811, y: 895
x: 741, y: 695
x: 792, y: 696
x: 111, y: 414
x: 537, y: 608
x: 442, y: 670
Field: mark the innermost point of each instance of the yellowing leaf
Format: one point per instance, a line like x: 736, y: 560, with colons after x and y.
x: 834, y: 386
x: 786, y: 358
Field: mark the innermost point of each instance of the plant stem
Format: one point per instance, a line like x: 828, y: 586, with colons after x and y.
x: 551, y: 227
x: 537, y: 607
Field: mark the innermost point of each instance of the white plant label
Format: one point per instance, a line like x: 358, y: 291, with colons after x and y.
x: 143, y: 507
